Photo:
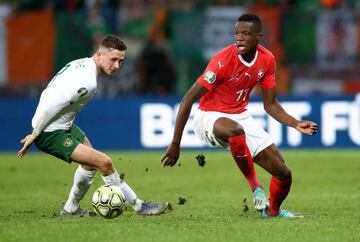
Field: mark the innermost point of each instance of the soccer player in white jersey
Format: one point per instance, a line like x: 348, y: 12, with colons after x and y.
x: 55, y: 133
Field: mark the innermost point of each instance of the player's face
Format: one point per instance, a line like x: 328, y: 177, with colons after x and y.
x: 110, y: 60
x: 247, y: 37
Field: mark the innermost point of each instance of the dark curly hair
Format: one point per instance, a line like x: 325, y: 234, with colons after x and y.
x: 253, y: 18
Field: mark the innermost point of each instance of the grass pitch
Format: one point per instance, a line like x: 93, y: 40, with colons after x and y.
x: 326, y: 189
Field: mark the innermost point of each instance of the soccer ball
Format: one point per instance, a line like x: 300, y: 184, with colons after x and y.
x: 108, y: 201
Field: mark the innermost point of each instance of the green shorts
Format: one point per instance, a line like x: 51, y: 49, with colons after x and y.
x: 60, y: 143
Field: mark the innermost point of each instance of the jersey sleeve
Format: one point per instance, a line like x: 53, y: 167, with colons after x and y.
x: 268, y: 81
x: 213, y: 74
x: 53, y: 104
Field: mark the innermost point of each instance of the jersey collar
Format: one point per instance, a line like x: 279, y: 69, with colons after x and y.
x: 248, y: 64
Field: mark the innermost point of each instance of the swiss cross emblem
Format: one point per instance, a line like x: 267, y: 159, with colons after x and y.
x: 260, y: 74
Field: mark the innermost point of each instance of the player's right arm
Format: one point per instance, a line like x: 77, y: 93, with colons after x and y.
x: 27, y: 141
x: 173, y: 151
x: 43, y: 120
x: 53, y: 100
x: 52, y: 106
x: 210, y: 78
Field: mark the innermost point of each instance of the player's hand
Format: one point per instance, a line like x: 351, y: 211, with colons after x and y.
x: 27, y: 141
x: 171, y: 156
x: 306, y: 127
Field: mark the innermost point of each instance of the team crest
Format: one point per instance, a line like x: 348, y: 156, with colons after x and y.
x: 82, y: 92
x: 68, y: 142
x: 210, y: 77
x: 260, y: 75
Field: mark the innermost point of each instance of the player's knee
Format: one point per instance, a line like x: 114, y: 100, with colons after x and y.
x: 106, y: 165
x: 236, y: 130
x: 284, y: 173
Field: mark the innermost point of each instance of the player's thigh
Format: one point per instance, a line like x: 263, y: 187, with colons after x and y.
x: 59, y: 143
x: 225, y: 127
x: 215, y: 128
x: 257, y: 139
x: 88, y: 156
x: 87, y: 142
x: 203, y: 128
x: 272, y: 161
x: 80, y: 136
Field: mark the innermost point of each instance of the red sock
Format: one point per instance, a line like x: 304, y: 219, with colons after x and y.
x: 242, y: 156
x: 279, y: 189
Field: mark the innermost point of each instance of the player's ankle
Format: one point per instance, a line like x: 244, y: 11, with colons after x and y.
x: 253, y: 188
x: 137, y: 204
x: 71, y: 205
x: 272, y: 212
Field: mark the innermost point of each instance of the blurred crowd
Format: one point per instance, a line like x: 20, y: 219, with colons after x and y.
x: 150, y: 67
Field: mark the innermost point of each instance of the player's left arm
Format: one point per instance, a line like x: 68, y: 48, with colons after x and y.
x: 275, y: 110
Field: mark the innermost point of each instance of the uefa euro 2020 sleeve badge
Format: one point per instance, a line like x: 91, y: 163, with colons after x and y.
x: 210, y: 77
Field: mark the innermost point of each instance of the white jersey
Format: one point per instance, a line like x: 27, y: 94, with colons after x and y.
x: 70, y: 89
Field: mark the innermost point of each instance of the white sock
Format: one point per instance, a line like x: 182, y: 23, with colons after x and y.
x: 130, y: 196
x: 82, y: 181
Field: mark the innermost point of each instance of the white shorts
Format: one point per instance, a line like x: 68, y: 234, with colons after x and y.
x: 257, y: 138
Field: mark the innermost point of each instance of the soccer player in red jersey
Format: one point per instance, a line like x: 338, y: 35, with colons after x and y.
x: 223, y: 121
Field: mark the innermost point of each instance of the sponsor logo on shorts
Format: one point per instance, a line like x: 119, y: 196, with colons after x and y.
x: 68, y: 142
x: 210, y: 139
x: 210, y: 77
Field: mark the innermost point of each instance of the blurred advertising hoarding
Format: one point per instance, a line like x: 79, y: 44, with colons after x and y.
x: 338, y: 120
x: 131, y: 123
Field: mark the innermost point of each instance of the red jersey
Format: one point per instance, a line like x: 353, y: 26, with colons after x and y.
x: 229, y: 79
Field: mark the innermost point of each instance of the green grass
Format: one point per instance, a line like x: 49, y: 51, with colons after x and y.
x: 326, y: 189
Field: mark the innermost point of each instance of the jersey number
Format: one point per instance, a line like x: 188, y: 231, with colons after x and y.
x: 242, y: 94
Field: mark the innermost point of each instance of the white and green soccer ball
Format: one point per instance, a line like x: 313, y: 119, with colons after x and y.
x: 108, y: 201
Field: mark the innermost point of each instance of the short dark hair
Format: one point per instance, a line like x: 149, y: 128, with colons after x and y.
x: 114, y: 42
x: 253, y: 18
